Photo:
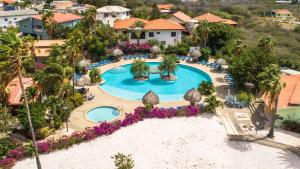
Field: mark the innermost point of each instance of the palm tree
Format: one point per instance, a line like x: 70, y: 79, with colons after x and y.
x: 74, y: 50
x: 139, y: 69
x: 138, y: 30
x: 49, y: 23
x: 212, y: 103
x: 270, y: 86
x: 168, y: 66
x: 12, y: 50
x: 201, y: 33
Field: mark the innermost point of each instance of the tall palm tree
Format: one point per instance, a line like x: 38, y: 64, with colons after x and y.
x: 139, y: 69
x: 270, y: 86
x: 74, y: 50
x: 168, y: 66
x: 12, y: 51
x: 49, y: 23
x: 201, y: 33
x: 138, y: 30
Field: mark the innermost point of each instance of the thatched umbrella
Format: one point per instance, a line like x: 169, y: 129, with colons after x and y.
x: 195, y: 54
x: 155, y: 50
x: 221, y: 62
x: 117, y: 54
x: 83, y: 81
x: 83, y: 63
x: 150, y: 98
x: 193, y: 96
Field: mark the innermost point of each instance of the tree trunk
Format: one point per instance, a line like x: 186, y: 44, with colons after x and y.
x: 274, y: 112
x: 38, y: 162
x: 73, y: 80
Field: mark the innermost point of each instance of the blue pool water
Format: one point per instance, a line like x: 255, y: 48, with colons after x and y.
x: 120, y: 83
x: 101, y: 114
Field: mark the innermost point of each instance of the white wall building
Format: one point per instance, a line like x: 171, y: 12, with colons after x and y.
x: 165, y: 31
x: 11, y: 18
x: 110, y: 14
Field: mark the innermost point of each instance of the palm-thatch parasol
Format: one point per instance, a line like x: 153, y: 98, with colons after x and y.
x: 221, y: 62
x: 155, y: 50
x: 150, y: 98
x: 195, y: 54
x: 83, y: 63
x: 193, y: 96
x: 117, y: 52
x: 83, y: 81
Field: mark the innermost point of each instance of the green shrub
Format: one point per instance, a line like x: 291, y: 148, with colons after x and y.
x: 37, y: 112
x: 170, y: 50
x: 182, y: 49
x: 6, y: 144
x: 95, y: 76
x: 205, y: 53
x: 43, y: 133
x: 212, y: 104
x: 245, y: 97
x: 206, y: 88
x: 291, y: 125
x: 77, y: 99
x: 297, y: 29
x: 123, y: 161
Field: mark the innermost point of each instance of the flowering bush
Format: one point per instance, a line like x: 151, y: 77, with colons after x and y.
x: 128, y: 47
x: 139, y: 114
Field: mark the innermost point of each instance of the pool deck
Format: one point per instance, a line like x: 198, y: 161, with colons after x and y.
x: 79, y: 122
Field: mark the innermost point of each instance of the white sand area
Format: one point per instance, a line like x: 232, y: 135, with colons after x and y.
x: 179, y: 143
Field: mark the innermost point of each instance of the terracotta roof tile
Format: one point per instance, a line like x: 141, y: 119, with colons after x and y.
x: 165, y: 6
x: 230, y: 22
x: 16, y: 91
x: 163, y: 24
x: 282, y: 11
x: 8, y: 1
x: 61, y: 17
x: 182, y: 16
x: 209, y: 17
x: 290, y: 93
x: 127, y: 23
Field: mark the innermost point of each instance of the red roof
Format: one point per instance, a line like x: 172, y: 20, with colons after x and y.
x: 182, y: 16
x: 282, y: 11
x: 209, y: 17
x: 290, y: 94
x: 15, y: 91
x: 165, y: 6
x: 163, y: 24
x: 157, y: 24
x: 61, y: 17
x: 8, y: 1
x: 127, y: 23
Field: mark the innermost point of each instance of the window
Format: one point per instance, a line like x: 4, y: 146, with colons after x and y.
x: 151, y: 34
x: 163, y: 42
x: 15, y: 18
x: 157, y: 32
x: 38, y: 27
x: 173, y: 34
x: 105, y: 15
x: 133, y: 36
x: 5, y: 19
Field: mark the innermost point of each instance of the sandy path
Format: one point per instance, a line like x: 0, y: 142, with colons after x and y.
x: 183, y: 143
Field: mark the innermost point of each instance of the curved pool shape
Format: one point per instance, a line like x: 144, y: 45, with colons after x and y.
x: 120, y: 83
x: 103, y: 113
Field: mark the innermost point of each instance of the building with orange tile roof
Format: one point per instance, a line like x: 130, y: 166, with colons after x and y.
x: 43, y: 49
x: 282, y: 14
x: 6, y: 5
x: 15, y: 91
x: 109, y: 14
x: 163, y: 30
x: 165, y: 8
x: 290, y: 94
x: 34, y: 25
x: 180, y: 18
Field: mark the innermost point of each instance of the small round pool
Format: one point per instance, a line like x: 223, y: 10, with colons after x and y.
x: 103, y: 113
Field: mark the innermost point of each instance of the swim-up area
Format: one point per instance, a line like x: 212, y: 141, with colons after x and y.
x: 119, y: 82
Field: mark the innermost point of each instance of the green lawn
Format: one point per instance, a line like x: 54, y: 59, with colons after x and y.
x: 294, y: 113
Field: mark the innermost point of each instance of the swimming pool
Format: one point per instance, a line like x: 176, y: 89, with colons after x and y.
x: 120, y: 83
x: 103, y: 113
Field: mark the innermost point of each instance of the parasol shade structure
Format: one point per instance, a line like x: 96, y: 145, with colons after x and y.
x: 150, y: 98
x: 193, y: 96
x: 221, y: 62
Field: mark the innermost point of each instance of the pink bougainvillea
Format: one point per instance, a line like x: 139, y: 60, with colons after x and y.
x: 101, y: 129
